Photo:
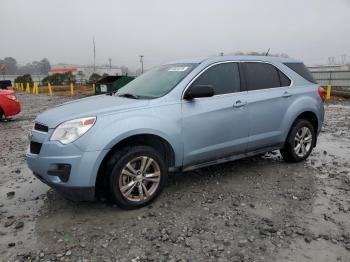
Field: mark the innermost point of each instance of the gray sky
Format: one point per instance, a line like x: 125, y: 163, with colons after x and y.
x: 62, y: 30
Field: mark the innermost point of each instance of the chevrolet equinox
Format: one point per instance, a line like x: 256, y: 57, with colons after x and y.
x: 176, y: 117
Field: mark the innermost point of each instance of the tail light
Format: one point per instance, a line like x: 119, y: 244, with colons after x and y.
x: 322, y: 92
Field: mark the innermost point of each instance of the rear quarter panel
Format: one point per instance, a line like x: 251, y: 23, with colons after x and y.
x: 305, y: 99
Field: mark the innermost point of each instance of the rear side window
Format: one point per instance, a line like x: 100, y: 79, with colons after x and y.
x: 224, y: 78
x: 301, y: 69
x: 261, y: 76
x: 285, y: 81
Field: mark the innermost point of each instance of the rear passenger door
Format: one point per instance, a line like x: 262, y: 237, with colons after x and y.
x: 217, y: 126
x: 268, y: 95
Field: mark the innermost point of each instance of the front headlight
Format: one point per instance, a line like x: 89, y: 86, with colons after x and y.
x: 70, y: 131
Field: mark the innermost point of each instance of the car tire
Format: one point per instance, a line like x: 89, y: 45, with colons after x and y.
x: 2, y: 115
x: 300, y: 141
x: 137, y: 176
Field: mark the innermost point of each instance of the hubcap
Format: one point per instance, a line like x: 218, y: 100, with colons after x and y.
x: 302, y: 141
x: 139, y: 178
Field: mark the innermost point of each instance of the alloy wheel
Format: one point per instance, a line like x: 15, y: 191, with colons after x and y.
x: 302, y: 141
x: 139, y: 178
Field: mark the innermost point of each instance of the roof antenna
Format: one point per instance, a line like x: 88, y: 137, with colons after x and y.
x: 267, y: 53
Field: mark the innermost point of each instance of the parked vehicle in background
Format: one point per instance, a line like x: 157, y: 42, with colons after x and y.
x: 5, y: 84
x: 9, y: 104
x: 176, y: 117
x: 110, y: 84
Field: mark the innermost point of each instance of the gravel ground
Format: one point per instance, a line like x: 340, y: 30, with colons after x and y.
x: 255, y: 209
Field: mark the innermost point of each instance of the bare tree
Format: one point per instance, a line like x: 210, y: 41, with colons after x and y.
x: 11, y: 65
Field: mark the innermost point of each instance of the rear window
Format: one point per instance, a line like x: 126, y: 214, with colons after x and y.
x: 301, y: 69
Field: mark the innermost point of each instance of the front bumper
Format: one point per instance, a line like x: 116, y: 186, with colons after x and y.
x: 71, y: 193
x: 79, y: 185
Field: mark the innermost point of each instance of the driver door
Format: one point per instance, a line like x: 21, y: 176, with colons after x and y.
x: 216, y: 127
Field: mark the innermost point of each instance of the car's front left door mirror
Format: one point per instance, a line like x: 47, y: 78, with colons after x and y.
x: 196, y: 91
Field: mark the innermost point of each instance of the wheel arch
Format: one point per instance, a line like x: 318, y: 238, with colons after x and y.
x: 310, y: 116
x: 147, y: 139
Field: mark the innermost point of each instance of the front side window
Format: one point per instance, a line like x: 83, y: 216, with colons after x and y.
x: 261, y: 76
x: 156, y: 82
x: 224, y: 78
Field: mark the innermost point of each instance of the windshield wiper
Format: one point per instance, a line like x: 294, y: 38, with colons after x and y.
x: 128, y: 95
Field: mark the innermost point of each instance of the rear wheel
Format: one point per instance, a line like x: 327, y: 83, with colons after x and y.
x: 137, y: 176
x: 300, y: 141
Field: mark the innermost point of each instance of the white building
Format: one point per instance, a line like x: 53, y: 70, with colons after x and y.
x: 83, y: 72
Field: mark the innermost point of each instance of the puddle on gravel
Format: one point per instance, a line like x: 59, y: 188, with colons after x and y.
x: 331, y: 161
x: 316, y: 251
x: 24, y: 206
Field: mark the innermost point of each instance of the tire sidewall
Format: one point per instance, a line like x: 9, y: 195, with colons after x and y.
x: 299, y: 124
x: 116, y: 195
x: 2, y: 115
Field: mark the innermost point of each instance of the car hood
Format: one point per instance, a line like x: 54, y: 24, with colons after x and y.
x: 90, y: 106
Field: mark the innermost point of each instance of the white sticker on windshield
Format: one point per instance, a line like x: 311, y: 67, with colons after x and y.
x: 178, y: 69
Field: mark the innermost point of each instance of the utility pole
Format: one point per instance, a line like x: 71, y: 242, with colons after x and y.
x: 141, y: 61
x: 93, y: 41
x: 343, y: 59
x: 110, y: 63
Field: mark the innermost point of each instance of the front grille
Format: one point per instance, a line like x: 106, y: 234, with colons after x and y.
x: 41, y: 128
x: 35, y: 147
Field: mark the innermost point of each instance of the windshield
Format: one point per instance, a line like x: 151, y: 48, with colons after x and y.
x: 156, y: 82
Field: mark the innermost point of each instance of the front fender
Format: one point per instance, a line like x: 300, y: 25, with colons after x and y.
x: 111, y: 129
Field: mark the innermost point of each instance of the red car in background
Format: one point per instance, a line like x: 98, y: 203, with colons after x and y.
x: 9, y: 104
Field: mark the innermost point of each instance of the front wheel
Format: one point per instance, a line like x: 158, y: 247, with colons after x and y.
x: 2, y: 115
x: 137, y: 176
x: 300, y: 141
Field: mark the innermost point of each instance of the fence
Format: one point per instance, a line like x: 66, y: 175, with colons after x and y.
x: 340, y: 80
x: 49, y: 89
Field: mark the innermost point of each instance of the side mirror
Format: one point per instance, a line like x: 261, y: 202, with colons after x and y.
x: 196, y: 91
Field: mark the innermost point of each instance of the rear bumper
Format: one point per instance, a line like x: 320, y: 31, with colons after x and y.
x: 71, y: 193
x: 321, y: 120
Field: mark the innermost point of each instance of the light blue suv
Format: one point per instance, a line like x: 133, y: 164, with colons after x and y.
x: 176, y: 117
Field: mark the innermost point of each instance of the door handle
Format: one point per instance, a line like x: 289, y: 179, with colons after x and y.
x: 239, y: 103
x: 286, y: 94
